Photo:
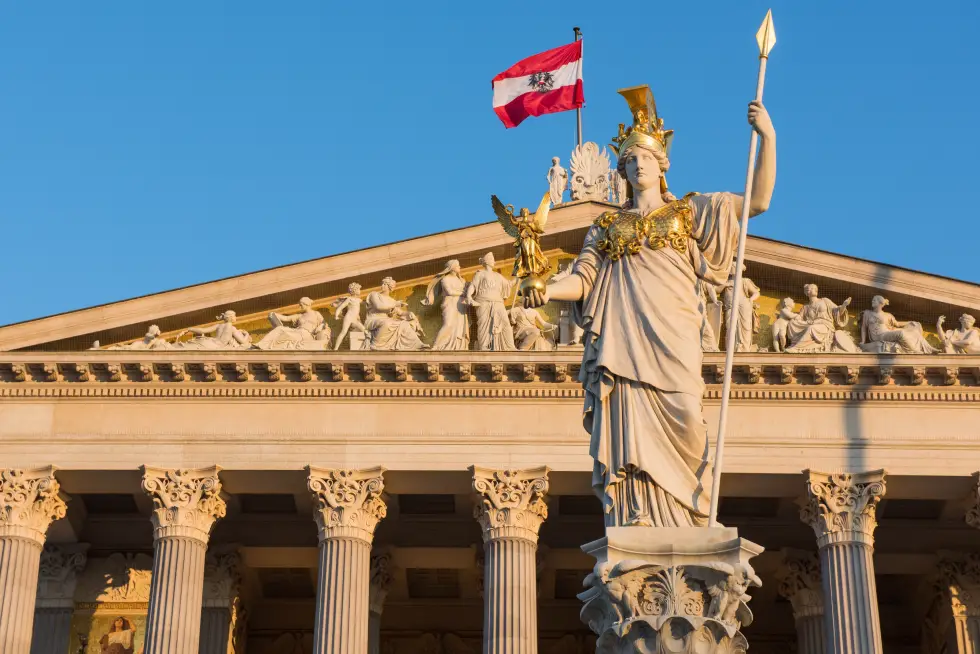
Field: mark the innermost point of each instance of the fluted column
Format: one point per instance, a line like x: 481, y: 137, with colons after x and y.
x: 510, y: 508
x: 841, y: 510
x: 223, y: 614
x: 380, y: 582
x: 348, y: 507
x: 799, y: 582
x: 29, y: 502
x: 186, y: 504
x: 57, y: 578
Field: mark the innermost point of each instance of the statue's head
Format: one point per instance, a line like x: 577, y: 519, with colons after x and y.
x: 810, y: 290
x: 967, y: 321
x: 488, y: 260
x: 305, y: 303
x: 228, y: 316
x: 643, y: 149
x: 153, y: 331
x: 354, y: 289
x: 789, y: 303
x: 879, y: 302
x: 388, y: 284
x: 453, y: 266
x: 554, y: 161
x: 643, y: 166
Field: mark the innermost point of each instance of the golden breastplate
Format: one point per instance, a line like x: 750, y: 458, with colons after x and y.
x: 623, y: 232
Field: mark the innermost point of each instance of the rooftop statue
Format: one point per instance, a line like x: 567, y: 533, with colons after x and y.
x: 309, y: 330
x: 455, y: 331
x: 526, y: 231
x: 965, y: 340
x: 881, y: 332
x: 815, y: 327
x: 633, y: 285
x: 389, y: 324
x: 557, y: 181
x: 590, y: 173
x: 226, y: 336
x: 488, y: 292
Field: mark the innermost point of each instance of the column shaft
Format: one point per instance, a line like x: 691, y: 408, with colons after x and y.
x: 52, y: 631
x: 173, y: 622
x: 851, y: 613
x: 810, y: 635
x: 510, y: 607
x: 216, y: 636
x: 374, y: 633
x: 19, y: 561
x: 342, y: 597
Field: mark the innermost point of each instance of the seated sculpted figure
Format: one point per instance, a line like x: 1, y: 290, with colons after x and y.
x: 780, y: 325
x: 226, y: 336
x: 815, y: 328
x: 151, y: 341
x: 530, y: 330
x: 309, y: 331
x: 389, y: 324
x: 882, y: 333
x: 965, y: 340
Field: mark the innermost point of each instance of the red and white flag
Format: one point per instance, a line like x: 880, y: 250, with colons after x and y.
x: 541, y: 84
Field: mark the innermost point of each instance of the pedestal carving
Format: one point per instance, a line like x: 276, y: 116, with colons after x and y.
x: 348, y: 507
x: 30, y: 501
x: 799, y: 582
x: 186, y: 504
x: 669, y: 590
x: 510, y: 508
x: 841, y: 510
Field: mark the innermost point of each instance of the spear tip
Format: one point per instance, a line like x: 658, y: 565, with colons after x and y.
x: 766, y: 36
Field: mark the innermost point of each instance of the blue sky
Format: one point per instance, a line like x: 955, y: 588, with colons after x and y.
x: 148, y: 146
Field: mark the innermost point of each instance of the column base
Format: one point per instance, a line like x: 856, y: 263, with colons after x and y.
x: 675, y: 590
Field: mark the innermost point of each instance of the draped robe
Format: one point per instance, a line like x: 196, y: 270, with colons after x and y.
x: 642, y: 315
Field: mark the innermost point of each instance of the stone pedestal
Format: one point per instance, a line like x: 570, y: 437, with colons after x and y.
x: 29, y: 501
x: 348, y: 507
x: 57, y: 579
x: 799, y: 582
x: 656, y: 590
x: 186, y: 504
x: 841, y: 510
x: 223, y: 615
x: 380, y: 582
x: 510, y: 509
x: 952, y: 625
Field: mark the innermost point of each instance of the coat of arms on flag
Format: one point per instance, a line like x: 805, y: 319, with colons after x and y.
x: 544, y: 83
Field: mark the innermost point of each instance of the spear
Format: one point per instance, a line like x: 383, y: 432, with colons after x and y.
x: 766, y: 38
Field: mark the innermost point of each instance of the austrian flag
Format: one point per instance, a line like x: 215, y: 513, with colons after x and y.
x: 541, y: 84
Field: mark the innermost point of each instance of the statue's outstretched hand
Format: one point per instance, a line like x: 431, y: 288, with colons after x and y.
x: 534, y: 298
x: 759, y: 119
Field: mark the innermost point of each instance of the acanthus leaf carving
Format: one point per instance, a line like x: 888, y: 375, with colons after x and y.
x: 381, y: 578
x: 186, y: 502
x: 799, y: 582
x: 58, y: 573
x: 30, y: 500
x: 511, y: 502
x: 840, y: 507
x: 347, y: 501
x: 222, y: 576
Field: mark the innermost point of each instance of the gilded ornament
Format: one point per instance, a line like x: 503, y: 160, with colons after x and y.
x: 530, y: 263
x: 624, y: 232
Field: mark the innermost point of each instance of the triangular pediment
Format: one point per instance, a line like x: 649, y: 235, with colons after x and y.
x: 779, y: 269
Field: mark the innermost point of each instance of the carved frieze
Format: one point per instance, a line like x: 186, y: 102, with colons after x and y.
x: 510, y: 502
x: 347, y: 502
x: 841, y: 507
x: 30, y: 500
x: 185, y: 502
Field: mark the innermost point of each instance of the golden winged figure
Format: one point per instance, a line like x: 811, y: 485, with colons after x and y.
x: 529, y: 260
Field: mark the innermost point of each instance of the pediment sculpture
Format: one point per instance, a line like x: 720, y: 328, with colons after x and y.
x: 306, y: 330
x: 818, y: 327
x: 454, y: 334
x: 965, y: 340
x: 488, y: 293
x: 882, y: 333
x: 389, y: 324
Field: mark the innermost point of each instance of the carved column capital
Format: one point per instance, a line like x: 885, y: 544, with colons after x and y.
x: 381, y: 578
x: 840, y: 507
x: 973, y: 512
x: 799, y: 582
x: 30, y: 500
x: 959, y: 582
x: 186, y: 502
x: 58, y: 574
x: 348, y: 502
x: 511, y: 502
x: 222, y: 577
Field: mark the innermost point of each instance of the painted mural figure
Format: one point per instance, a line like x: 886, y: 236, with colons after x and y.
x: 488, y: 292
x: 454, y: 334
x: 350, y: 308
x: 389, y: 324
x: 965, y: 340
x: 634, y: 289
x: 309, y: 330
x: 815, y: 328
x: 120, y: 638
x: 226, y: 336
x: 881, y: 332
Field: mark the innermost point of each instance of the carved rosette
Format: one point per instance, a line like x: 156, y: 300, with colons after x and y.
x: 511, y: 502
x: 841, y: 507
x: 186, y: 502
x: 646, y: 608
x: 30, y: 500
x: 349, y: 503
x: 973, y: 513
x: 58, y: 574
x: 799, y: 582
x: 381, y: 578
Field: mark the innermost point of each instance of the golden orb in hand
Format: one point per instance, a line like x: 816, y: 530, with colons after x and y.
x: 531, y: 284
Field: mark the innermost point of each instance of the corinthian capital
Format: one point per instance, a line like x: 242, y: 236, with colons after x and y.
x: 841, y: 507
x: 58, y: 574
x: 511, y: 502
x: 185, y: 502
x: 348, y: 502
x: 222, y: 577
x: 973, y: 513
x: 959, y: 582
x: 30, y: 500
x: 799, y: 582
x: 381, y: 578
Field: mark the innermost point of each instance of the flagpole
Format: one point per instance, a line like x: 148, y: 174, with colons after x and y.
x: 578, y: 111
x: 766, y: 38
